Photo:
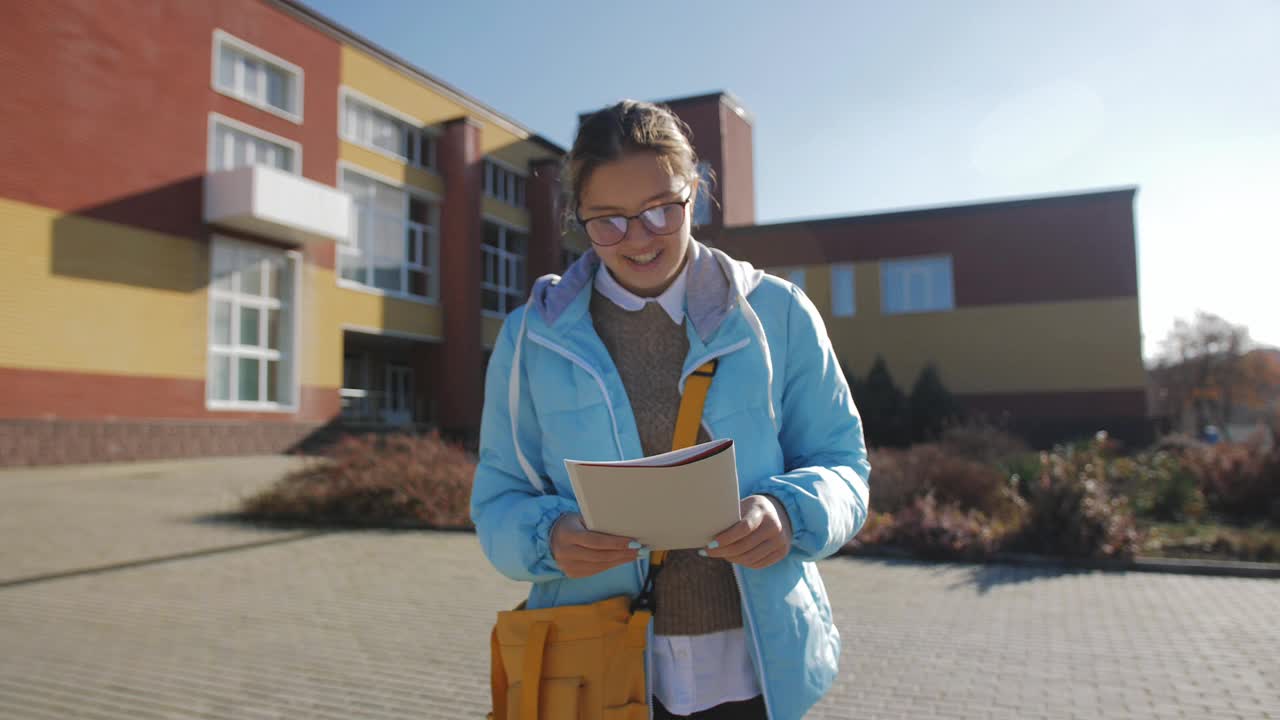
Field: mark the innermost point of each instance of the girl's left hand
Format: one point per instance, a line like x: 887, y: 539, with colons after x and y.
x: 761, y: 538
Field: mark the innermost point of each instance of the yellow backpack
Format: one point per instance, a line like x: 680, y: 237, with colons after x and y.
x: 585, y: 662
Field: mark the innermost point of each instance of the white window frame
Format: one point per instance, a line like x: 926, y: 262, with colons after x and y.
x: 389, y: 371
x: 221, y: 39
x: 234, y: 351
x: 503, y: 254
x: 417, y: 129
x: 840, y: 269
x: 514, y: 182
x: 216, y: 119
x: 942, y: 304
x: 431, y: 241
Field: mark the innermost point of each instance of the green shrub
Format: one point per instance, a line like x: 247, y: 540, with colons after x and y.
x: 1240, y: 481
x: 1072, y: 510
x: 984, y: 442
x: 1160, y: 485
x: 900, y: 477
x: 945, y: 531
x: 376, y: 480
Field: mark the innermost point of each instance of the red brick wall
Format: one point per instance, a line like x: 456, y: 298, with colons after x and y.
x: 702, y: 115
x: 61, y: 442
x: 462, y: 389
x: 738, y: 179
x: 544, y: 219
x: 1054, y: 249
x: 106, y: 104
x: 79, y: 396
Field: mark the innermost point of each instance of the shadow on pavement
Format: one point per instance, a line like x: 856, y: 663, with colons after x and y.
x: 327, y: 524
x: 986, y: 577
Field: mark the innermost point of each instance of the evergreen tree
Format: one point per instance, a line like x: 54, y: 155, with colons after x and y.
x: 884, y: 409
x: 932, y: 406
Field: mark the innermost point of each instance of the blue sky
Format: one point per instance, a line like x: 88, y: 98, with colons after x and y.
x: 862, y: 106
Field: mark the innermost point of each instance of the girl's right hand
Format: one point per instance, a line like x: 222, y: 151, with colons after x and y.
x: 582, y: 553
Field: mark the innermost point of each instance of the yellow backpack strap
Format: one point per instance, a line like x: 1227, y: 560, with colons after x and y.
x: 497, y: 677
x: 531, y: 678
x: 696, y: 387
x: 695, y: 396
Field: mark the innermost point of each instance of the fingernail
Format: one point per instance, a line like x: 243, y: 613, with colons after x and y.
x: 703, y: 553
x: 635, y: 545
x: 713, y: 544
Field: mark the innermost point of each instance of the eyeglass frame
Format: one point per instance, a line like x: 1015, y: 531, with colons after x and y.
x: 684, y: 210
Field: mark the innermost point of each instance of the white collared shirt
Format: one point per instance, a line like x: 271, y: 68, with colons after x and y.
x: 692, y: 673
x: 671, y: 299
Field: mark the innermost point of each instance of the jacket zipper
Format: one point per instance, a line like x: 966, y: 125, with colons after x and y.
x: 737, y: 572
x: 751, y: 625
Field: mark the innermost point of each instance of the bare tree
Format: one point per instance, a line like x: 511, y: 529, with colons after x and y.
x: 1202, y: 369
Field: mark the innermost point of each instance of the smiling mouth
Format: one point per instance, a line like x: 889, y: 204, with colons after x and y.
x: 645, y: 259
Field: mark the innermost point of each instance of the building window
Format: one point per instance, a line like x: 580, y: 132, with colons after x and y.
x: 504, y: 184
x: 235, y: 144
x: 917, y: 285
x: 257, y: 77
x: 702, y: 203
x: 502, y: 286
x: 394, y: 246
x: 377, y: 129
x: 251, y: 327
x: 843, y: 303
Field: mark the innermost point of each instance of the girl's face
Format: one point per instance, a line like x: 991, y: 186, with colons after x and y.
x: 651, y: 254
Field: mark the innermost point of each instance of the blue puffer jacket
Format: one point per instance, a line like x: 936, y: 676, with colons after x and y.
x: 552, y: 392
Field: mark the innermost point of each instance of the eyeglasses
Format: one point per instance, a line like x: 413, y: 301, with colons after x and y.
x: 605, y: 230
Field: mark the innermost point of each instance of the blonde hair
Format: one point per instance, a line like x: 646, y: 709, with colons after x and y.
x: 628, y: 126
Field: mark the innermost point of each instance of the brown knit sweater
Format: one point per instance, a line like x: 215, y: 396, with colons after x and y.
x: 694, y: 595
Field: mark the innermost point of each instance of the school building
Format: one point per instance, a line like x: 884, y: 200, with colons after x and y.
x: 229, y: 226
x: 235, y: 227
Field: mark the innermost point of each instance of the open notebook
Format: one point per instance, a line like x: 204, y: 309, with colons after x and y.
x: 676, y: 500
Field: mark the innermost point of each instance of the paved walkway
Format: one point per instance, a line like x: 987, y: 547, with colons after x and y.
x: 199, y: 619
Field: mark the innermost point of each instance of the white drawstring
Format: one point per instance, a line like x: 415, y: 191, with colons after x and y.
x: 758, y: 327
x: 513, y: 405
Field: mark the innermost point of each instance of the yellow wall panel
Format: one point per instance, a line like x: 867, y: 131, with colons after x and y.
x: 320, y: 362
x: 399, y: 172
x: 393, y: 88
x: 389, y: 86
x: 85, y: 295
x: 490, y: 328
x: 1041, y: 347
x: 514, y: 216
x: 520, y: 153
x: 370, y: 311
